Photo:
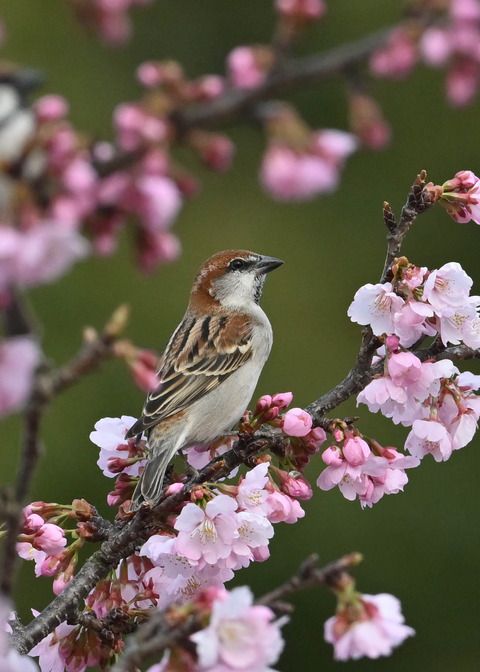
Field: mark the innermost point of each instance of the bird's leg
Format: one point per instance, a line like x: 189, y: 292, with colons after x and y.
x: 190, y: 471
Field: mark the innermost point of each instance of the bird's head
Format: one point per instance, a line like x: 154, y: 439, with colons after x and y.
x: 231, y: 279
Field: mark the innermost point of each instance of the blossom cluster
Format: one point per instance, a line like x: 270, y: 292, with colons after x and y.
x: 432, y: 397
x: 451, y: 42
x: 362, y: 468
x: 223, y: 528
x: 43, y: 538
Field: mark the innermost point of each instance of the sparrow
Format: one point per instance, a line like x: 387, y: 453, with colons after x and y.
x: 210, y: 366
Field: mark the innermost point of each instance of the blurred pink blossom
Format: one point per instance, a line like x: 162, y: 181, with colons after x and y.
x: 397, y: 57
x: 19, y: 357
x: 239, y: 636
x: 245, y: 67
x: 378, y: 628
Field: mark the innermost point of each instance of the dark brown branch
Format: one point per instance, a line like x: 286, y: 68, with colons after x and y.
x: 294, y: 73
x: 418, y: 201
x: 153, y: 638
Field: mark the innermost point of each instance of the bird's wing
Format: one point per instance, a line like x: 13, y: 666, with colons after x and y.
x: 200, y: 355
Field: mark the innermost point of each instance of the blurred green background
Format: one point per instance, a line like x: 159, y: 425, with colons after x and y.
x: 422, y: 545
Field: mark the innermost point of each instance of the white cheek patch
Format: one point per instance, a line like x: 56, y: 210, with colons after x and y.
x: 238, y: 289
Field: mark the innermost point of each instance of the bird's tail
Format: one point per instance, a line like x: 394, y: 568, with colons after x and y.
x: 149, y: 486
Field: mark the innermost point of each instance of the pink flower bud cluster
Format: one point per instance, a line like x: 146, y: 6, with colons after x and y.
x: 461, y: 197
x: 358, y: 470
x: 45, y: 542
x: 368, y: 626
x: 71, y: 648
x: 303, y: 439
x: 37, y: 535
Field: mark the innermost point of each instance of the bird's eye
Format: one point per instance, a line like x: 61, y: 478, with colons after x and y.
x: 237, y: 264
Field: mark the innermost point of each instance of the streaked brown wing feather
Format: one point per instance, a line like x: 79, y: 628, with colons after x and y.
x: 200, y: 355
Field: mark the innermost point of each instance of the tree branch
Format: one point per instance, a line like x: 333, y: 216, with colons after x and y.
x: 45, y: 386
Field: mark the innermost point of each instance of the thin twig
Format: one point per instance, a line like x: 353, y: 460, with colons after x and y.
x: 418, y: 201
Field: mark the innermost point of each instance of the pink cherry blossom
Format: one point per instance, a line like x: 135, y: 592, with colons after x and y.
x: 315, y: 439
x: 448, y: 287
x: 297, y: 422
x: 461, y: 197
x: 12, y: 661
x: 109, y: 436
x: 347, y: 477
x: 49, y: 653
x: 333, y: 456
x: 282, y: 508
x: 429, y: 436
x: 333, y: 145
x: 404, y: 368
x: 359, y: 472
x: 378, y: 629
x: 254, y: 531
x: 460, y: 416
x: 240, y: 635
x: 251, y: 494
x: 19, y: 357
x: 462, y: 324
x: 376, y: 305
x: 435, y: 46
x: 403, y: 402
x: 384, y: 476
x: 411, y: 322
x: 462, y: 82
x: 207, y: 533
x: 456, y: 42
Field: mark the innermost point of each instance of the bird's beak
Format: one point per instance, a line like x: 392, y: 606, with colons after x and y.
x: 267, y: 264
